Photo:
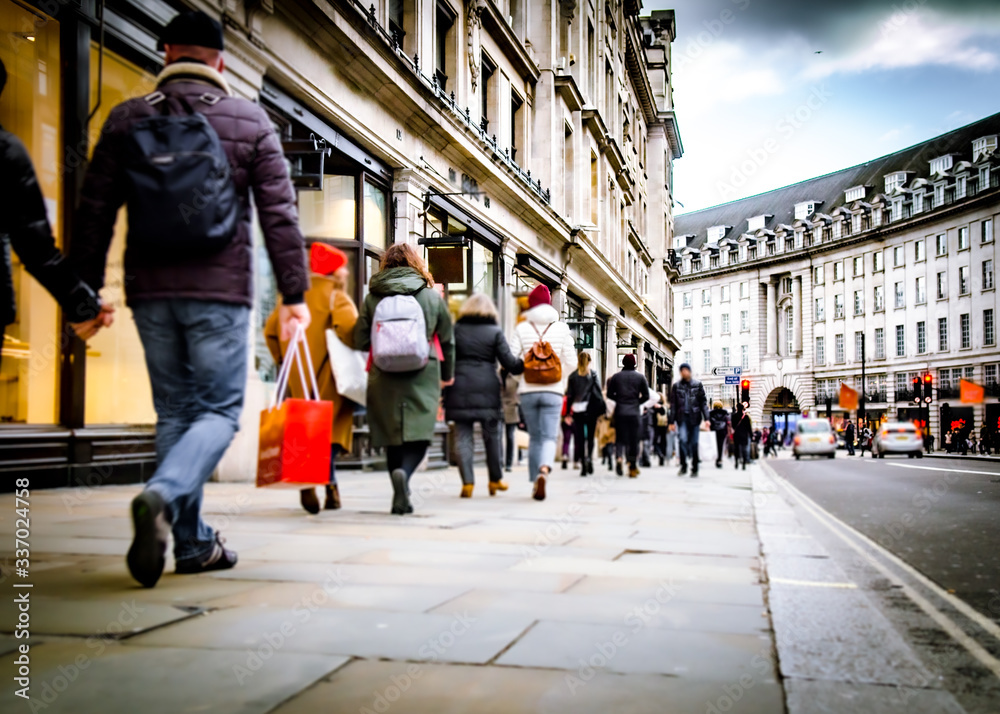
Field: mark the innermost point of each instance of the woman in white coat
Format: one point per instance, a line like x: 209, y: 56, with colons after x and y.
x: 541, y: 402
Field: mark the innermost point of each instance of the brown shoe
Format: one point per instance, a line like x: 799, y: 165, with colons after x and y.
x: 497, y: 486
x: 332, y: 502
x: 307, y: 497
x: 633, y: 472
x: 466, y: 491
x: 538, y: 492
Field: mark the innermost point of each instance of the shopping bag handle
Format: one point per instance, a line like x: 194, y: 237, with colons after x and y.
x: 297, y: 342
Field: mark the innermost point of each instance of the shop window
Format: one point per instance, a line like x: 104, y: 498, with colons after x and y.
x: 31, y: 110
x: 117, y: 382
x: 332, y: 212
x: 376, y: 216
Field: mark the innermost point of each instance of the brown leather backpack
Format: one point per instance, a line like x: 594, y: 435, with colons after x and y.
x: 541, y: 364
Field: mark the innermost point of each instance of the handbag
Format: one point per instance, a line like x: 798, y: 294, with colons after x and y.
x: 294, y: 447
x: 349, y: 366
x: 596, y: 404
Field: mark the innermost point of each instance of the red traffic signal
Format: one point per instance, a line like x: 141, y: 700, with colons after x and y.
x: 745, y: 392
x: 928, y: 387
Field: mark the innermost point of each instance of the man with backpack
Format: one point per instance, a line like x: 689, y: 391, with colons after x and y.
x: 549, y: 351
x: 185, y: 159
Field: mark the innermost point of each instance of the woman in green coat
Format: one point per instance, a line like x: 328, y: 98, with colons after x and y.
x: 403, y: 406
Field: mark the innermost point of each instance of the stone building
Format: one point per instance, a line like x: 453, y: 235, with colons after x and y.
x: 516, y: 142
x: 892, y: 260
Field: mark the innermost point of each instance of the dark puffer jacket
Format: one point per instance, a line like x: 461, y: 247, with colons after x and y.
x: 258, y: 164
x: 479, y: 345
x: 718, y: 419
x: 688, y: 403
x: 23, y: 220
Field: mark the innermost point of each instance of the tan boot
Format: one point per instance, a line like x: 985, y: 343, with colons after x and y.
x: 497, y: 486
x: 633, y: 472
x: 466, y: 490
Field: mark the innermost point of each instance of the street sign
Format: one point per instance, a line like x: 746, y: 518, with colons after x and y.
x: 733, y: 379
x: 728, y: 372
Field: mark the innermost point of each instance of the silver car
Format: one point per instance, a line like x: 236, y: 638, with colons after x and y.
x: 814, y: 437
x: 898, y: 438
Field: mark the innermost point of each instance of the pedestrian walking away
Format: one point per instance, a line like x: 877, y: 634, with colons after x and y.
x: 629, y: 391
x: 743, y: 435
x: 549, y: 351
x: 718, y: 421
x: 586, y: 404
x: 511, y: 417
x: 688, y: 413
x: 331, y: 309
x: 661, y: 431
x: 406, y: 325
x: 475, y: 397
x: 849, y: 437
x: 24, y: 220
x: 189, y: 275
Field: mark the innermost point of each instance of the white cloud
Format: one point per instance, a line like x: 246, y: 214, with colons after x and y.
x: 722, y: 73
x: 904, y: 41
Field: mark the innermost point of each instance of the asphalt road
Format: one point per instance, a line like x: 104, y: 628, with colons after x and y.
x: 941, y: 516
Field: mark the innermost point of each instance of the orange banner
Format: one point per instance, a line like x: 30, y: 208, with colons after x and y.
x: 848, y: 397
x: 971, y: 393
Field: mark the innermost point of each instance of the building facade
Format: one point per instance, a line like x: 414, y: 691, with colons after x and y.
x: 517, y: 143
x: 890, y: 263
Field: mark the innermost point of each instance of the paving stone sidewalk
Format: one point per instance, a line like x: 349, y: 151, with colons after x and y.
x: 615, y: 594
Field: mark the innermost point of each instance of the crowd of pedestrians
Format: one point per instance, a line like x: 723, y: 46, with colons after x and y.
x: 190, y: 292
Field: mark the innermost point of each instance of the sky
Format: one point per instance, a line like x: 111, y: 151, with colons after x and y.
x: 771, y: 92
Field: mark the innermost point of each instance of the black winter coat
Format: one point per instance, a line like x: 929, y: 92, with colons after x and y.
x: 629, y: 391
x: 742, y: 428
x: 479, y: 345
x: 718, y: 419
x: 688, y: 403
x: 23, y: 220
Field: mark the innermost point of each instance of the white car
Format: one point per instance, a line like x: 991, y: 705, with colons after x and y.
x: 814, y: 437
x: 898, y: 438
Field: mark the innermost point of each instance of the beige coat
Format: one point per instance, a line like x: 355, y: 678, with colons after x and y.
x: 331, y: 308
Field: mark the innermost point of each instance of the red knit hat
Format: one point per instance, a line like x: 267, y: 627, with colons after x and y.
x: 325, y: 259
x: 539, y: 296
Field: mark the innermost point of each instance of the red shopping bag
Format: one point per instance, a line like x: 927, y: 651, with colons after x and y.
x: 294, y: 448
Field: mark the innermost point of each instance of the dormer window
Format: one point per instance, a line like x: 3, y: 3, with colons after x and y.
x: 855, y: 193
x: 716, y: 233
x: 680, y: 242
x: 942, y: 164
x: 895, y: 180
x: 984, y: 178
x: 983, y: 146
x: 804, y: 210
x: 757, y: 222
x: 960, y: 187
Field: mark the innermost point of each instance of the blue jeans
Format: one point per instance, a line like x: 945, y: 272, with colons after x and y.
x: 196, y: 354
x: 542, y: 412
x: 687, y: 438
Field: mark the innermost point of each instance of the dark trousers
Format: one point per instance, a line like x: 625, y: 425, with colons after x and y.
x: 583, y: 436
x: 742, y: 453
x: 660, y: 441
x: 720, y: 443
x: 850, y: 447
x: 466, y: 448
x: 567, y: 435
x: 687, y: 441
x: 511, y: 443
x: 627, y: 432
x: 406, y: 456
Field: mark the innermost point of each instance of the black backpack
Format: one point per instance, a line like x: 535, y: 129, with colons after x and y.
x: 182, y: 201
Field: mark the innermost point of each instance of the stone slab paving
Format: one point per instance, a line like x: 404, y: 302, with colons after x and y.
x: 615, y: 594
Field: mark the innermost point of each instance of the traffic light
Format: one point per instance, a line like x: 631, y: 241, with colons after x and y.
x: 918, y: 397
x: 745, y: 392
x: 928, y: 388
x: 829, y: 407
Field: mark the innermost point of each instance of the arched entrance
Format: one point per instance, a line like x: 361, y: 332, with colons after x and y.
x: 781, y: 410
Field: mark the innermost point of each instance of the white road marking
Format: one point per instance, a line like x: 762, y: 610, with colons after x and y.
x: 938, y: 468
x: 812, y: 583
x: 838, y: 527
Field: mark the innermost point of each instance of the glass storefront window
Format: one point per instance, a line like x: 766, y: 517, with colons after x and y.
x: 117, y: 387
x: 30, y: 109
x: 330, y: 213
x: 376, y: 215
